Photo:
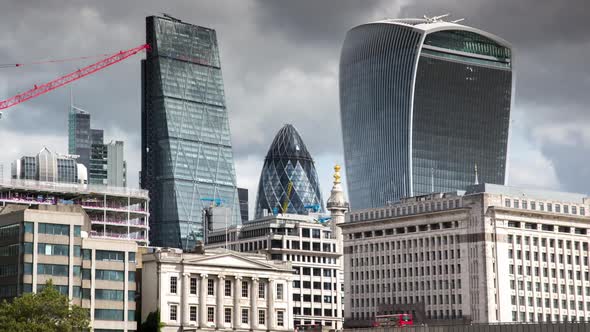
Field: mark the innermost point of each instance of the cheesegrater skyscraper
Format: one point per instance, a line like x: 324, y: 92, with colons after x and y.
x: 187, y: 160
x: 425, y: 107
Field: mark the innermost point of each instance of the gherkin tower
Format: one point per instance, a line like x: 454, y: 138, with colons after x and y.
x: 288, y: 177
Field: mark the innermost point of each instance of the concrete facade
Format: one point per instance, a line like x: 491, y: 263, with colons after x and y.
x: 217, y: 290
x: 491, y: 254
x: 97, y: 274
x: 115, y: 213
x: 312, y: 249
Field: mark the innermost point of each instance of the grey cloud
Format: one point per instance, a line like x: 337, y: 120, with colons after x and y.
x: 280, y: 63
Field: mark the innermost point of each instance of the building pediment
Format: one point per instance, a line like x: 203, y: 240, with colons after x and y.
x: 230, y: 260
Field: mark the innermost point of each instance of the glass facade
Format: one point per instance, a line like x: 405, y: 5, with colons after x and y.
x: 243, y: 197
x: 288, y: 165
x: 47, y: 166
x: 79, y: 139
x: 421, y: 109
x: 187, y: 159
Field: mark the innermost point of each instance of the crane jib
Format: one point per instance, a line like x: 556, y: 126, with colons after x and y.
x: 38, y: 90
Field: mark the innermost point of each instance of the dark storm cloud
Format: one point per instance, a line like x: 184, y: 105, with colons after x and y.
x: 280, y: 65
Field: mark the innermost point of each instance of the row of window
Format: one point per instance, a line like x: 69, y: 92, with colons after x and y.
x: 227, y: 288
x: 10, y: 250
x: 113, y: 315
x: 406, y: 258
x: 547, y: 303
x: 416, y: 244
x: 554, y: 289
x: 535, y: 256
x: 404, y: 230
x: 549, y: 207
x: 548, y: 228
x: 305, y: 258
x: 406, y: 210
x: 244, y: 317
x: 522, y: 317
x: 316, y: 312
x: 423, y: 271
x: 8, y: 270
x: 427, y: 299
x: 405, y: 286
x: 316, y: 285
x: 304, y: 245
x: 518, y: 239
x: 52, y: 229
x: 316, y: 298
x: 316, y: 272
x: 9, y: 232
x: 430, y: 314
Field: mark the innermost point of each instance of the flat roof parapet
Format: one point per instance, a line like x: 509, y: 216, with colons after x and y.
x: 56, y: 187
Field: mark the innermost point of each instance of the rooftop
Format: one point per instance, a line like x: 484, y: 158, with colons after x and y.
x: 71, y: 188
x: 528, y: 193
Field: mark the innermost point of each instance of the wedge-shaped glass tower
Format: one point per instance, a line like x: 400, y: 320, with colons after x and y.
x: 187, y: 160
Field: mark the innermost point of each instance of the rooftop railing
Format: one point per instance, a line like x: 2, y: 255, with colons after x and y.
x: 90, y: 189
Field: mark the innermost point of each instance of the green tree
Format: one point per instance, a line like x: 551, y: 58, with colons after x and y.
x: 45, y: 311
x: 152, y: 322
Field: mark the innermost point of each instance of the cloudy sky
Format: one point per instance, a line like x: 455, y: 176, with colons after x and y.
x: 280, y: 65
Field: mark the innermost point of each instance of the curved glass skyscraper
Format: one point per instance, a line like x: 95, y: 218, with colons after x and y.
x: 288, y: 171
x: 422, y: 103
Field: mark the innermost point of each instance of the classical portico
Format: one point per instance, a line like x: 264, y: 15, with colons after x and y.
x: 218, y: 290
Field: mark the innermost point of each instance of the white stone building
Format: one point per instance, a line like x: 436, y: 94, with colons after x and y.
x: 491, y: 254
x: 313, y: 246
x: 217, y: 290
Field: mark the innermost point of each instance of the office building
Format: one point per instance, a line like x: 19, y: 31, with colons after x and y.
x: 288, y: 177
x: 98, y: 173
x: 79, y: 138
x: 490, y: 254
x: 116, y: 164
x: 105, y: 162
x: 217, y: 290
x: 187, y: 158
x: 422, y: 103
x: 244, y: 208
x: 50, y: 242
x: 313, y: 250
x: 48, y: 166
x: 115, y: 213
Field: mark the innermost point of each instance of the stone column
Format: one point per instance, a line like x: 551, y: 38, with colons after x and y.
x: 271, y: 304
x: 184, y: 292
x: 254, y: 304
x: 220, y: 294
x: 203, y: 302
x: 237, y: 296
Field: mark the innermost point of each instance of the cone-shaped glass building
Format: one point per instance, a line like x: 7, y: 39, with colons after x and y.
x: 422, y: 102
x: 288, y: 177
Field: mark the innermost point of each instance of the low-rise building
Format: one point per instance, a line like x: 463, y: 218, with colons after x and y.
x: 50, y: 242
x: 313, y: 245
x: 491, y: 254
x: 115, y: 213
x: 216, y: 290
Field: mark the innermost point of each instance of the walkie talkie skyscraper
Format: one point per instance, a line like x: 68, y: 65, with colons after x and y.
x: 422, y: 102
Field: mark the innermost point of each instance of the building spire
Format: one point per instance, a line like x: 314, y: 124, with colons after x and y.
x: 476, y: 177
x: 336, y: 175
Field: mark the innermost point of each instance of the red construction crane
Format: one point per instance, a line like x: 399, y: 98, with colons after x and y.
x: 69, y: 78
